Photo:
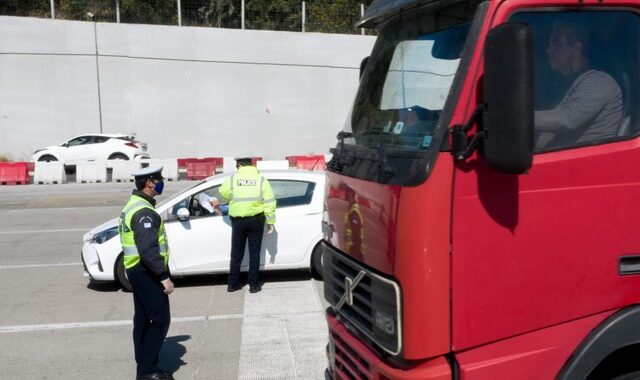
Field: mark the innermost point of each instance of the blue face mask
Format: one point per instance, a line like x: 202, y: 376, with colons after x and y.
x: 159, y: 187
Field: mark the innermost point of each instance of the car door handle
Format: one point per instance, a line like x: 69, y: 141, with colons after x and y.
x: 313, y: 212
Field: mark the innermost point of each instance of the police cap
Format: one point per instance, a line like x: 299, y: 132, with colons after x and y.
x: 151, y: 172
x: 244, y: 161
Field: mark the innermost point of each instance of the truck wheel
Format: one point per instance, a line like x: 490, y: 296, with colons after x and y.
x: 628, y: 376
x: 121, y: 274
x: 317, y: 269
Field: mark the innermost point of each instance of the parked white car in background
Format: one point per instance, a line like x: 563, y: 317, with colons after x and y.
x: 93, y: 147
x: 201, y: 242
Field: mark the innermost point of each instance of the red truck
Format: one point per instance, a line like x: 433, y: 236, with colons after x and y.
x: 482, y: 210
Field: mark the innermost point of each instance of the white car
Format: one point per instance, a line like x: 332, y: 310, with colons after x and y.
x: 93, y: 147
x: 200, y: 242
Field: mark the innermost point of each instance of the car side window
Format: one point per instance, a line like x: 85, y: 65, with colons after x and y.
x: 197, y: 204
x: 292, y: 193
x: 99, y: 139
x: 585, y: 63
x: 82, y: 140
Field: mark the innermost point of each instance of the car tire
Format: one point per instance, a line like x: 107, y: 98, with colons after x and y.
x: 47, y: 158
x: 317, y: 269
x: 121, y: 274
x: 118, y: 156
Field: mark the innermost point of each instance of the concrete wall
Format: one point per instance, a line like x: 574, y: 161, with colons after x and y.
x: 186, y: 91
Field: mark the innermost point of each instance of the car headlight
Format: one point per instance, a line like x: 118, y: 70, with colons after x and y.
x: 105, y: 235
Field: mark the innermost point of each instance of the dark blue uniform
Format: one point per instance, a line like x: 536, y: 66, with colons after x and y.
x: 152, y: 313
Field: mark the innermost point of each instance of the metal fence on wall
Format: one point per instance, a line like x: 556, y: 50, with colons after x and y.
x: 327, y: 16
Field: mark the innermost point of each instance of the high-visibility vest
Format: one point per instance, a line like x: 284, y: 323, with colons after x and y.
x: 131, y: 254
x: 249, y: 194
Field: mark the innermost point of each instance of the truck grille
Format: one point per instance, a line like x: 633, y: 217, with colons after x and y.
x: 348, y: 364
x: 370, y: 302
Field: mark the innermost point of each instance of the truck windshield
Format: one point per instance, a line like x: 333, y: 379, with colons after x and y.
x: 406, y: 82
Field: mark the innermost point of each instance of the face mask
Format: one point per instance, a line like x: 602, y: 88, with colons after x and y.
x: 159, y: 186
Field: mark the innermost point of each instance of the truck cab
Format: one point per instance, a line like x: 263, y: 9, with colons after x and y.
x: 481, y: 209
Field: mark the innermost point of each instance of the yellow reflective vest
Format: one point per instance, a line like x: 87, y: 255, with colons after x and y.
x: 249, y: 194
x: 131, y: 254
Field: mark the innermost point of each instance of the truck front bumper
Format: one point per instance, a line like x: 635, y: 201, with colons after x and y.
x: 349, y: 358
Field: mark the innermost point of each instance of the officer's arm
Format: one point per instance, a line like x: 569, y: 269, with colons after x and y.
x: 269, y: 202
x: 145, y: 225
x: 225, y: 189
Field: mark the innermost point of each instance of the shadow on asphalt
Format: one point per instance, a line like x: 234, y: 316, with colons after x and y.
x: 265, y: 277
x: 216, y: 279
x: 172, y: 352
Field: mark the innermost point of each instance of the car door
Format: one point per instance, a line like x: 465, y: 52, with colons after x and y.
x: 201, y: 244
x: 76, y: 149
x: 298, y: 222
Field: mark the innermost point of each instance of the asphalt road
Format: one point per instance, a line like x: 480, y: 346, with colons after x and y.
x: 55, y: 325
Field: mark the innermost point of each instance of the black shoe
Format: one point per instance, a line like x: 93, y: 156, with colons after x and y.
x: 157, y: 376
x: 255, y: 289
x: 233, y: 288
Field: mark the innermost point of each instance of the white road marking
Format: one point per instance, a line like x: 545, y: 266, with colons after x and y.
x: 24, y: 266
x: 84, y: 325
x: 284, y: 333
x: 45, y: 231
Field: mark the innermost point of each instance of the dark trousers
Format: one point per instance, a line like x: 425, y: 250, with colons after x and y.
x: 243, y: 229
x: 151, y: 319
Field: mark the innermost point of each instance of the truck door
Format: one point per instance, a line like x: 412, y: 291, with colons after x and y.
x: 543, y: 248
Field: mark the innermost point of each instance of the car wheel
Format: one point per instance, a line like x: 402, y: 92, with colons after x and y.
x: 47, y: 158
x: 317, y: 267
x: 118, y: 156
x: 121, y: 274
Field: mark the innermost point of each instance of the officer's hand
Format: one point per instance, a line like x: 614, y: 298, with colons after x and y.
x: 168, y: 286
x: 271, y: 229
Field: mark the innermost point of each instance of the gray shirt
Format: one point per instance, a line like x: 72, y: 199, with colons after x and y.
x: 590, y: 110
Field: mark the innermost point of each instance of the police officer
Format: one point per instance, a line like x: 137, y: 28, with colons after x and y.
x: 146, y: 253
x: 251, y: 203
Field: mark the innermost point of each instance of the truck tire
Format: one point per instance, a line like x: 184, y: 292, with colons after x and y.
x: 628, y: 376
x: 121, y: 274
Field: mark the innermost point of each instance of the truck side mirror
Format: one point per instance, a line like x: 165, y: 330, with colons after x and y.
x: 363, y: 65
x: 508, y: 93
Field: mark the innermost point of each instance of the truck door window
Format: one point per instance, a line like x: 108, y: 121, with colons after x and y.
x: 585, y: 65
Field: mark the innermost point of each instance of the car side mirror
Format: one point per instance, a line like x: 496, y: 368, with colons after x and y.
x: 183, y: 214
x: 66, y: 145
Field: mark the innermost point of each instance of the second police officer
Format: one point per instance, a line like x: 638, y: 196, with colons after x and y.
x: 251, y: 203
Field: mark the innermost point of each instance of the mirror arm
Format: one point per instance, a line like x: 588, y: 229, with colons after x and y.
x: 462, y: 146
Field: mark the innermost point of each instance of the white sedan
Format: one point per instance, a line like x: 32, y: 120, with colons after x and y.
x: 200, y: 242
x: 93, y: 147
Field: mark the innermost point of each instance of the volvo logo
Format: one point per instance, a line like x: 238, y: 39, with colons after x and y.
x: 349, y: 286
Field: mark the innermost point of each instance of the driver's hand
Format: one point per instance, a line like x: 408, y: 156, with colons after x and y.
x: 271, y: 229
